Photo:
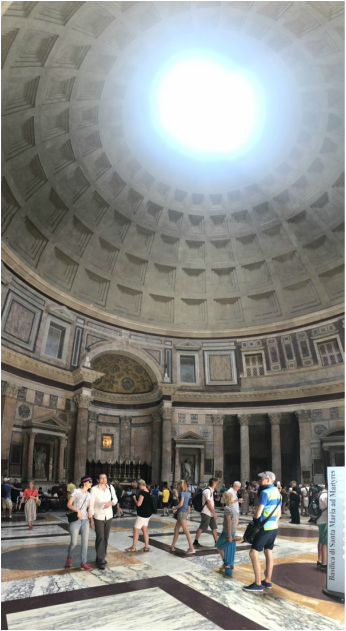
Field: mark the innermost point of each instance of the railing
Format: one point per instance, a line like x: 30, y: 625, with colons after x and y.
x: 120, y: 471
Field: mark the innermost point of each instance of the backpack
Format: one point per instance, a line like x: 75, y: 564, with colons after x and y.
x: 197, y: 501
x: 314, y: 508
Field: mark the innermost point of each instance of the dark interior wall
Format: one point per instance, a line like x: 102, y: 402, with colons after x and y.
x: 290, y: 452
x: 260, y: 448
x: 231, y: 439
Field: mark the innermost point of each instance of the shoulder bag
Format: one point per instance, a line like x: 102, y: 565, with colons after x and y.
x: 252, y: 529
x: 73, y: 516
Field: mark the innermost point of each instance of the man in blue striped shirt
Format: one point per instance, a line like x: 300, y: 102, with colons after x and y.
x: 269, y: 499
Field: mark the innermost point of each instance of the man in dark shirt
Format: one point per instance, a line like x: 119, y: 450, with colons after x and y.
x: 294, y: 503
x: 155, y: 494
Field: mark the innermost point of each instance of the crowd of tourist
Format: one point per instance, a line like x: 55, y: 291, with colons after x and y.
x: 95, y: 505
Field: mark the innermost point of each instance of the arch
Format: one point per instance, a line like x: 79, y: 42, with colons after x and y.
x: 136, y: 354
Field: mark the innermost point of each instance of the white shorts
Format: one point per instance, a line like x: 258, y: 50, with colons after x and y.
x: 140, y: 522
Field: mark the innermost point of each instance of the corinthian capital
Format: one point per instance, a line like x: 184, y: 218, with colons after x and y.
x: 303, y: 416
x: 9, y: 389
x: 244, y: 419
x: 167, y: 413
x: 83, y: 401
x: 275, y: 419
x: 218, y: 419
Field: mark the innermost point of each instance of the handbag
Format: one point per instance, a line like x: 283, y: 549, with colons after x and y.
x: 73, y: 516
x: 252, y: 529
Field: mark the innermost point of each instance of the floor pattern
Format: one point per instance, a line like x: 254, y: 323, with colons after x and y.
x: 159, y: 590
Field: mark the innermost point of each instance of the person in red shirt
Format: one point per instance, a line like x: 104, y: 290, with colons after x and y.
x: 30, y: 496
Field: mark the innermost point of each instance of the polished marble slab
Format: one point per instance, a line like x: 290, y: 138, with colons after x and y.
x: 54, y: 584
x: 157, y: 610
x: 267, y: 609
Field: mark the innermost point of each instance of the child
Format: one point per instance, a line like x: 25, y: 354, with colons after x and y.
x: 230, y: 522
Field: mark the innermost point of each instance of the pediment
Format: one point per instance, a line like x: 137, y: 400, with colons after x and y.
x: 61, y: 312
x: 50, y: 421
x: 190, y: 436
x: 187, y: 345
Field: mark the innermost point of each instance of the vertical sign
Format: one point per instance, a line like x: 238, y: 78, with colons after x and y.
x: 336, y: 533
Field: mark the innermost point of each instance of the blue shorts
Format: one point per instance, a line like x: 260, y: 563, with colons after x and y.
x: 264, y: 539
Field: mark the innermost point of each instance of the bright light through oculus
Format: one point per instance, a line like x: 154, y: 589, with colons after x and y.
x: 206, y: 107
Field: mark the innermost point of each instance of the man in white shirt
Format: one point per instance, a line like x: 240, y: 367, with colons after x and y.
x: 208, y: 515
x: 102, y: 499
x: 234, y: 490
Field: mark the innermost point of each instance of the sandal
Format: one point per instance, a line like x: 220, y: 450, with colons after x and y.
x: 144, y: 550
x: 130, y: 549
x: 171, y: 548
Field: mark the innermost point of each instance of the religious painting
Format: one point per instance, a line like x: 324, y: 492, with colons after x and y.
x: 122, y: 375
x: 107, y: 441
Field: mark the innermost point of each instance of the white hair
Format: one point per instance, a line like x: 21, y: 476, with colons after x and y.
x: 237, y: 482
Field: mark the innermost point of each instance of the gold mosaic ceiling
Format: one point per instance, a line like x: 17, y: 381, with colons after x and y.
x: 95, y: 207
x: 123, y: 375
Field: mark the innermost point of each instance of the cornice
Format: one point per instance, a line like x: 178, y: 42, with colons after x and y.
x: 17, y: 266
x: 304, y: 391
x: 35, y: 367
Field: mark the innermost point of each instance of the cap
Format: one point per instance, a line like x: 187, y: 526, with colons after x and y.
x: 6, y: 479
x: 267, y: 474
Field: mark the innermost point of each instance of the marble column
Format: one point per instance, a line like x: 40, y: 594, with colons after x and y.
x: 125, y: 438
x: 31, y: 457
x: 25, y: 456
x: 156, y: 448
x: 303, y: 417
x: 218, y: 421
x: 177, y: 464
x: 244, y: 420
x: 8, y: 403
x: 167, y: 415
x: 275, y: 420
x: 83, y: 402
x: 62, y: 445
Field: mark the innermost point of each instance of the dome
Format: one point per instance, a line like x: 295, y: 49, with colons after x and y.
x: 101, y: 212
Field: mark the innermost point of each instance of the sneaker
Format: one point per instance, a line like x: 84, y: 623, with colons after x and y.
x: 196, y: 544
x: 102, y: 566
x: 122, y: 515
x: 257, y: 589
x: 323, y: 567
x: 68, y: 562
x: 221, y: 569
x: 85, y: 566
x: 190, y: 551
x: 267, y: 585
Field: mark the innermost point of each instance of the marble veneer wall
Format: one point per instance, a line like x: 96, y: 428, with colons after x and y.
x: 290, y: 364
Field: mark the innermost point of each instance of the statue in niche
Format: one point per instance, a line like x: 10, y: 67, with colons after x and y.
x: 188, y: 470
x: 40, y: 458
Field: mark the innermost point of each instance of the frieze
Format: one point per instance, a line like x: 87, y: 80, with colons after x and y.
x: 181, y: 418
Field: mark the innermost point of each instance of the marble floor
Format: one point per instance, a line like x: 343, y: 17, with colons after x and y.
x: 161, y: 589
